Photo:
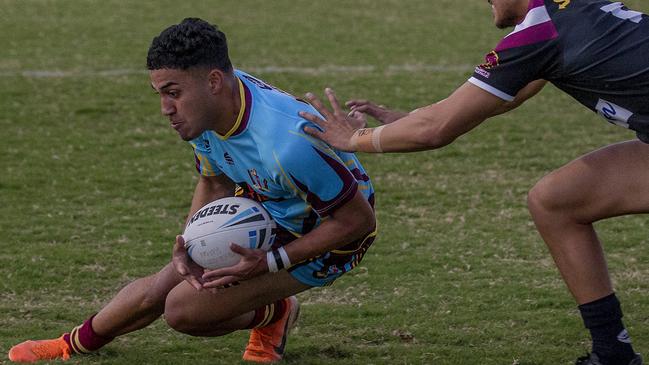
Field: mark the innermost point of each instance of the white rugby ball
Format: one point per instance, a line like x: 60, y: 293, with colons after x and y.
x: 210, y: 231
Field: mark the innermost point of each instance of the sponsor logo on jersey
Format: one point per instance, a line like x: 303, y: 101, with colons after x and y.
x: 482, y: 72
x: 613, y: 113
x: 228, y: 158
x: 624, y: 336
x: 208, y: 148
x: 562, y: 3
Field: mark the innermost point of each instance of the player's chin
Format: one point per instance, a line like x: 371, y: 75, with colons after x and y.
x: 505, y: 20
x: 185, y: 138
x: 187, y: 135
x: 504, y: 23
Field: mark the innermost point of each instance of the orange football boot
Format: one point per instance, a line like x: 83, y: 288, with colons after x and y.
x: 266, y: 344
x: 31, y: 351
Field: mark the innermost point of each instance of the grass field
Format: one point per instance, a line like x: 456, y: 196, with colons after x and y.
x: 94, y: 184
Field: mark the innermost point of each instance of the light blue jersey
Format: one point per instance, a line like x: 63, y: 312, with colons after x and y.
x: 267, y: 153
x: 298, y: 179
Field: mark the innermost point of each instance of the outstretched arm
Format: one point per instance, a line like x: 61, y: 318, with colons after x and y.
x: 426, y: 128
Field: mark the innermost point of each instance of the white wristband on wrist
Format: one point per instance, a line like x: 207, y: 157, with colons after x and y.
x: 376, y: 139
x: 277, y: 259
x: 270, y: 260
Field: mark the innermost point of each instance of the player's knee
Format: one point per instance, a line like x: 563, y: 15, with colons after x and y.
x: 183, y: 318
x: 542, y: 199
x: 179, y: 319
x: 185, y: 322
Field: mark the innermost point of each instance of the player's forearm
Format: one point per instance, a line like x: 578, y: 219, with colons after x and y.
x: 433, y: 126
x: 209, y: 189
x: 351, y: 222
x: 425, y: 129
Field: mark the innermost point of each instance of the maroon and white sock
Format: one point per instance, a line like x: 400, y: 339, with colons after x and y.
x: 268, y: 314
x: 83, y: 339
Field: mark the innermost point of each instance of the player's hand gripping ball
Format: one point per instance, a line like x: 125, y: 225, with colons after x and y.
x: 212, y: 229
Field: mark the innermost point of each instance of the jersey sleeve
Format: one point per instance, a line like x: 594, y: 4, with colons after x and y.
x: 316, y: 173
x: 528, y: 53
x: 205, y: 165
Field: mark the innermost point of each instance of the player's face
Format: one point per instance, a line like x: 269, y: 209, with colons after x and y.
x: 508, y: 13
x: 186, y: 99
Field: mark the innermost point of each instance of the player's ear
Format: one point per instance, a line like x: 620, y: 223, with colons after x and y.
x: 216, y: 78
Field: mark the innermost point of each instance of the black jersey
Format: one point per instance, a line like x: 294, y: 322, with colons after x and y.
x: 595, y: 50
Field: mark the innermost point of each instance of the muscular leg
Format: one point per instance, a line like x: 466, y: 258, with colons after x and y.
x: 137, y: 304
x: 206, y: 313
x: 134, y: 307
x: 609, y: 182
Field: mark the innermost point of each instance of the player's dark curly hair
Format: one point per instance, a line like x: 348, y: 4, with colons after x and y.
x: 193, y: 42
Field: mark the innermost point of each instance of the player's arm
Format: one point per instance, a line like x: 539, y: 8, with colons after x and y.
x: 359, y: 108
x: 352, y: 221
x: 427, y: 128
x: 527, y: 92
x: 208, y: 189
x: 348, y: 223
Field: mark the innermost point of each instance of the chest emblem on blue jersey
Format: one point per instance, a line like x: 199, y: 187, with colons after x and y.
x: 258, y: 183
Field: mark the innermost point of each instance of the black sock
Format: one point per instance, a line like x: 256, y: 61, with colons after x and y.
x: 611, y: 342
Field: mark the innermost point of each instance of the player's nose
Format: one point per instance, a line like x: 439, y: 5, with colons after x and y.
x: 167, y: 108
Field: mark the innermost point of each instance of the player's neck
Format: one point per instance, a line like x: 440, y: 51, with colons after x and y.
x: 230, y: 106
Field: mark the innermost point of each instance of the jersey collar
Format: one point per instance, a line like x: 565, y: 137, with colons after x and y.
x: 244, y: 112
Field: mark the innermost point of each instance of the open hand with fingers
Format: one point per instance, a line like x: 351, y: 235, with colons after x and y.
x: 185, y: 266
x: 379, y: 112
x: 252, y: 264
x: 337, y: 128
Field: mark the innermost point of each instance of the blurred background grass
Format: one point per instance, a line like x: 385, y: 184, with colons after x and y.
x: 95, y: 185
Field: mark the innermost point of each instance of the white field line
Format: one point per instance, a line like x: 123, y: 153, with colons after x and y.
x: 313, y: 71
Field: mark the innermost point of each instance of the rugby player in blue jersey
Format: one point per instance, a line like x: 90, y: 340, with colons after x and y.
x: 596, y: 51
x: 246, y: 135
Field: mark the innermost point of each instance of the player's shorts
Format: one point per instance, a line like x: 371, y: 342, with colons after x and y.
x: 324, y: 269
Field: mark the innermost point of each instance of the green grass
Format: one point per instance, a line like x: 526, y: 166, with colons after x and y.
x: 94, y: 185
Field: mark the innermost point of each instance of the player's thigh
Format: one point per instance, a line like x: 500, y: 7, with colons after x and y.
x: 608, y: 182
x: 189, y: 305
